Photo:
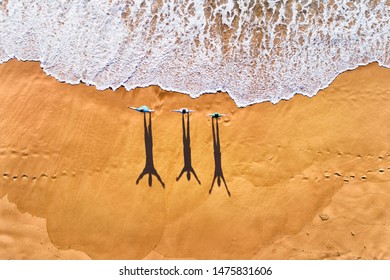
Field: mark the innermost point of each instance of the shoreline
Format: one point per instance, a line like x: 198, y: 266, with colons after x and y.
x: 199, y: 94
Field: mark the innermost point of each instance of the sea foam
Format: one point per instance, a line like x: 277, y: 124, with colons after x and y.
x: 254, y: 50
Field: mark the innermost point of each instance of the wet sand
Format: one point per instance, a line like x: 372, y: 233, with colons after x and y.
x: 308, y: 177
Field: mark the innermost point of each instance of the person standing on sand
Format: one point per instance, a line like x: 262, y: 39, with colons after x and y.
x: 218, y: 173
x: 148, y: 138
x: 186, y: 145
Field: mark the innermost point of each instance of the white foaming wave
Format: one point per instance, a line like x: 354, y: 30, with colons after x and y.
x: 254, y: 50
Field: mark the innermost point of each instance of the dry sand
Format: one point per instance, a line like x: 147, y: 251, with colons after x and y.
x: 308, y: 177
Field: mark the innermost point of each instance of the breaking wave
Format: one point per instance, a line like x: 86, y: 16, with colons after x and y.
x: 264, y: 50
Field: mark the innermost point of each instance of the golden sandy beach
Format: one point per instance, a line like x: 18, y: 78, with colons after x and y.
x: 309, y: 177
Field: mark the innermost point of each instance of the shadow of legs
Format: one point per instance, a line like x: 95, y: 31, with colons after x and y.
x: 218, y: 173
x: 187, y: 151
x: 149, y: 165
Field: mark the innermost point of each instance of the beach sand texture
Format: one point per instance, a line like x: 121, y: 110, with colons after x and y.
x: 308, y: 177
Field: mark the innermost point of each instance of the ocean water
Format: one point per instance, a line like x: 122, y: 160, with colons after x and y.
x: 265, y: 50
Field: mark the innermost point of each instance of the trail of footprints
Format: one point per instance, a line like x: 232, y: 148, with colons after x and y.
x: 25, y: 177
x: 24, y: 154
x: 349, y: 176
x: 328, y: 174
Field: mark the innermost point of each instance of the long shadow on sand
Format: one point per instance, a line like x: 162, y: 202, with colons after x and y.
x: 187, y: 151
x: 218, y: 173
x: 149, y: 165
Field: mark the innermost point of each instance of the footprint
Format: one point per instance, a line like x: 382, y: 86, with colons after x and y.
x: 338, y: 174
x: 364, y: 177
x: 54, y: 177
x: 14, y: 153
x: 5, y: 176
x: 323, y: 217
x: 44, y: 175
x: 34, y: 179
x: 381, y: 170
x: 24, y: 176
x: 2, y: 152
x: 14, y: 178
